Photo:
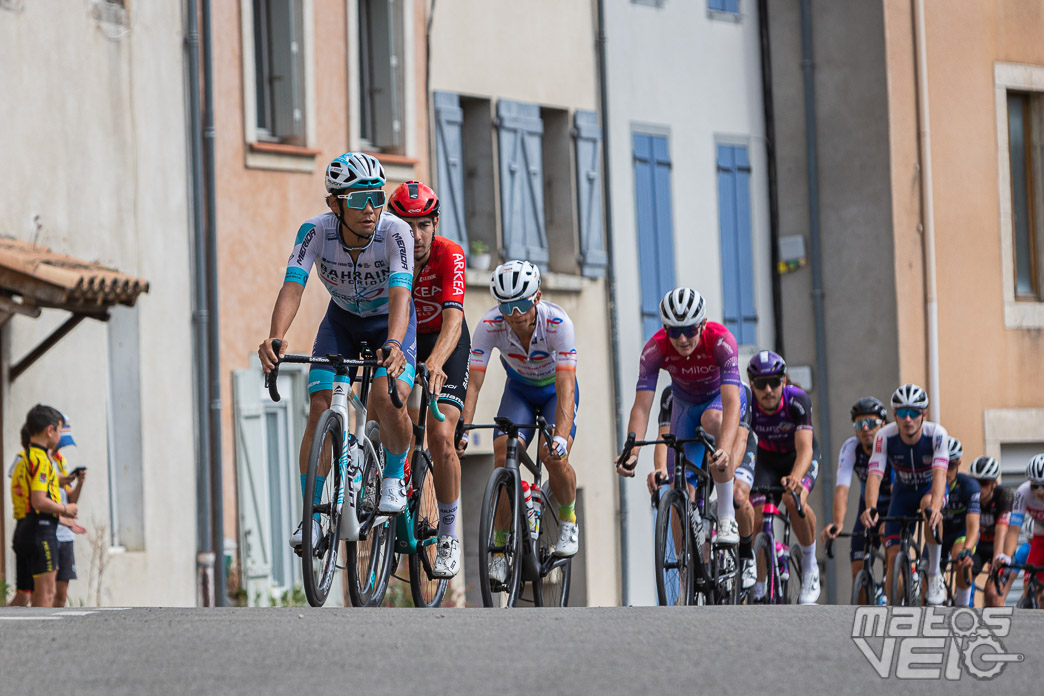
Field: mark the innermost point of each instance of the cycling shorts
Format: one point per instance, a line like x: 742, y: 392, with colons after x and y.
x: 455, y: 367
x: 906, y: 502
x: 981, y: 556
x: 66, y: 561
x: 522, y: 403
x: 773, y: 466
x: 685, y: 420
x: 37, y: 541
x: 23, y: 577
x: 342, y: 333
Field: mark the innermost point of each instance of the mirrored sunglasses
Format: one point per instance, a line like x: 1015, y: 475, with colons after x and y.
x: 910, y: 413
x: 679, y: 331
x: 520, y: 306
x: 357, y: 200
x: 868, y: 423
x: 766, y: 382
x: 1037, y: 486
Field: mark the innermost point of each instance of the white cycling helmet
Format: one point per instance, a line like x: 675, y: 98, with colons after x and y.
x: 355, y: 170
x: 956, y: 449
x: 985, y: 468
x: 1035, y: 469
x: 910, y: 396
x: 682, y: 307
x: 514, y: 280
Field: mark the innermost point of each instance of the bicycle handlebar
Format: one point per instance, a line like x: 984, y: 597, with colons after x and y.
x: 433, y: 404
x: 1027, y: 568
x: 668, y: 439
x: 272, y: 378
x: 798, y: 507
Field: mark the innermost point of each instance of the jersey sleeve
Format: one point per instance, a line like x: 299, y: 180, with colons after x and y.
x: 452, y: 273
x: 846, y: 461
x: 879, y: 457
x: 725, y: 354
x: 306, y: 248
x: 649, y: 366
x: 41, y: 471
x: 801, y: 410
x: 482, y: 340
x: 666, y: 404
x: 562, y: 339
x: 400, y: 256
x: 974, y: 495
x: 1018, y: 507
x: 941, y: 454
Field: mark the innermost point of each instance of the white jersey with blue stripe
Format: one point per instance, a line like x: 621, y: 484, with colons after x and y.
x: 361, y: 286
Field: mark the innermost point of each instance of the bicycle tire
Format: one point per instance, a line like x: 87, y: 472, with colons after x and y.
x: 369, y: 561
x: 427, y: 591
x: 319, y: 556
x: 792, y: 585
x: 765, y: 559
x: 901, y: 587
x: 674, y: 570
x: 862, y: 583
x: 726, y: 569
x: 500, y: 489
x: 553, y: 590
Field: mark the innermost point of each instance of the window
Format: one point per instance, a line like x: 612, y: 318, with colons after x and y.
x: 724, y: 7
x: 737, y: 275
x: 279, y: 70
x: 381, y: 80
x: 654, y: 224
x: 1023, y: 136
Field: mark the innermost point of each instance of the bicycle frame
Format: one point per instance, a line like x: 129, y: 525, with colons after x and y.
x: 766, y: 497
x: 406, y: 540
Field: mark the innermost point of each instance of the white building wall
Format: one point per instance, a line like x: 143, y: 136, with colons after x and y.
x: 678, y: 70
x: 95, y: 166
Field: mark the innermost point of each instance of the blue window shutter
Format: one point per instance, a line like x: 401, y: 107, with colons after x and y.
x: 593, y: 258
x: 732, y: 6
x: 652, y: 170
x: 520, y: 131
x: 449, y: 154
x: 736, y: 265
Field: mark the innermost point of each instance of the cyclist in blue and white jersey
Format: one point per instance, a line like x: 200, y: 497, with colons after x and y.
x: 918, y: 451
x: 365, y: 261
x: 537, y: 347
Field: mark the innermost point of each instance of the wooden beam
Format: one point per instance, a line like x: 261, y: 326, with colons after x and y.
x: 11, y: 307
x: 48, y: 343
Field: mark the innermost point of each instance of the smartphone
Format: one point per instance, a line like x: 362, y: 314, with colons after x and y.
x: 77, y: 470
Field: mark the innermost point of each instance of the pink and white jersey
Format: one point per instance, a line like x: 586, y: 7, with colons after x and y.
x: 552, y: 347
x: 1026, y: 503
x: 695, y: 378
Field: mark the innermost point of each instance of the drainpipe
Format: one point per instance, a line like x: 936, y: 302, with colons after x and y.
x: 927, y: 212
x: 614, y: 324
x: 826, y: 472
x: 770, y: 151
x: 204, y: 552
x: 213, y: 334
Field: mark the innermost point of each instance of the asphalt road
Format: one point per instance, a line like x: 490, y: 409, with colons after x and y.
x: 644, y: 651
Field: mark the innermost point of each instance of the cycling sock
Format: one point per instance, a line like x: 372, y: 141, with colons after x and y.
x: 962, y: 597
x: 567, y: 513
x: 725, y: 509
x: 808, y: 555
x: 304, y: 479
x: 499, y: 537
x: 394, y: 464
x: 934, y: 557
x: 448, y: 518
x: 317, y: 494
x: 745, y: 550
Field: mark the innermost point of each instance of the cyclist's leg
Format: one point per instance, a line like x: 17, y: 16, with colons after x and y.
x: 396, y: 427
x: 711, y: 419
x: 440, y: 435
x: 685, y: 420
x: 515, y: 406
x: 743, y: 479
x: 934, y: 548
x: 805, y: 528
x: 560, y: 473
x: 857, y: 547
x: 904, y: 502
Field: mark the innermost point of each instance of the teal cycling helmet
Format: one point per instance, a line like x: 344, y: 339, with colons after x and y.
x: 355, y: 170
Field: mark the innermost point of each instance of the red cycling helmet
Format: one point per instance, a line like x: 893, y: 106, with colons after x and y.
x: 414, y: 199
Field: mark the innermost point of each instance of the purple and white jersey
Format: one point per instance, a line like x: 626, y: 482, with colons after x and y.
x: 776, y: 430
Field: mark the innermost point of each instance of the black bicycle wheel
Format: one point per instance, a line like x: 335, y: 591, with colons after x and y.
x: 725, y: 567
x: 427, y: 591
x: 369, y: 561
x: 319, y: 553
x: 792, y: 584
x: 863, y: 588
x: 902, y: 588
x: 500, y: 501
x: 674, y: 563
x: 554, y: 585
x: 765, y: 557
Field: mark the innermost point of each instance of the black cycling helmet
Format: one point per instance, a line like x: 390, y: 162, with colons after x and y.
x: 869, y: 405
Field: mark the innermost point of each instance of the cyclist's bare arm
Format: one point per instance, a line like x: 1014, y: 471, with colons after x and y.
x: 638, y: 423
x: 1000, y: 539
x: 803, y: 458
x: 873, y: 487
x: 840, y: 510
x: 449, y: 334
x: 1011, y: 541
x: 565, y: 391
x: 659, y: 459
x: 286, y: 306
x: 938, y: 490
x: 971, y: 530
x: 475, y: 379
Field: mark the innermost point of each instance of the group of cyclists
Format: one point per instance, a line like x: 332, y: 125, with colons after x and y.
x: 395, y: 283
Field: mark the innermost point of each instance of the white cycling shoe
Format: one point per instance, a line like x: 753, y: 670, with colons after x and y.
x: 810, y: 586
x: 936, y: 590
x: 498, y: 569
x: 728, y: 532
x: 393, y: 496
x: 447, y: 562
x: 568, y: 540
x: 749, y: 575
x: 295, y: 538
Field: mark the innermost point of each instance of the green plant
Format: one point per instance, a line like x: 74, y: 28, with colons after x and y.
x: 293, y: 597
x: 5, y: 590
x: 398, y: 594
x: 478, y: 247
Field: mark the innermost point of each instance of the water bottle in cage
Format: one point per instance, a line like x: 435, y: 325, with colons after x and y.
x: 527, y: 498
x: 537, y: 497
x: 783, y: 559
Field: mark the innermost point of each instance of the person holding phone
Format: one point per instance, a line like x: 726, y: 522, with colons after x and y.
x: 67, y: 528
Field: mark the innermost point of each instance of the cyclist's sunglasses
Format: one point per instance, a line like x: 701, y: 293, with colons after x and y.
x: 357, y: 200
x: 985, y: 482
x: 686, y: 331
x: 910, y: 413
x: 868, y: 423
x: 766, y: 382
x: 1037, y: 486
x: 520, y: 306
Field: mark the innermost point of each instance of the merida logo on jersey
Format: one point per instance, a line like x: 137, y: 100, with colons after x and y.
x: 304, y: 246
x: 403, y: 258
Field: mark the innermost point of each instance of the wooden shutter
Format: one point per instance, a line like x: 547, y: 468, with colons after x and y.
x: 520, y: 131
x: 655, y: 227
x: 593, y: 258
x: 736, y: 266
x: 449, y: 156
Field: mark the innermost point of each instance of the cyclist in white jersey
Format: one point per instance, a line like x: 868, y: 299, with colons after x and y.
x: 365, y: 260
x: 538, y: 350
x: 1029, y: 501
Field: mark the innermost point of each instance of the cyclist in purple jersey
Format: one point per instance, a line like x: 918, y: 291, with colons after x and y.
x: 788, y: 455
x: 700, y: 357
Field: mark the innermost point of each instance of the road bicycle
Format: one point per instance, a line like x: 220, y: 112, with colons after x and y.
x: 778, y: 563
x: 531, y: 532
x: 355, y: 480
x: 866, y: 588
x: 691, y: 569
x: 1032, y: 586
x: 909, y: 578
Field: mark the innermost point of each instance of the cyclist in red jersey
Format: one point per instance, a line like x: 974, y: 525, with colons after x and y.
x: 444, y: 346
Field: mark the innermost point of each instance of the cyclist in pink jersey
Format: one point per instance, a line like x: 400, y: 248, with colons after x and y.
x: 701, y: 358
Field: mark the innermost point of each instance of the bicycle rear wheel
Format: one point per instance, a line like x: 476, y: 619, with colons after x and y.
x: 726, y: 573
x: 554, y: 587
x: 792, y: 585
x: 319, y: 553
x: 765, y: 557
x: 370, y: 560
x: 674, y: 562
x: 500, y: 501
x: 427, y: 591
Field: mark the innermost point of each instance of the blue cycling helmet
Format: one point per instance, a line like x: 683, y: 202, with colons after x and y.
x: 354, y: 170
x: 766, y: 363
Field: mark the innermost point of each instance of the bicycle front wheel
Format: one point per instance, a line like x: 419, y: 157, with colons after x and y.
x: 765, y: 557
x: 319, y: 551
x: 792, y: 585
x: 903, y: 587
x: 369, y: 561
x: 500, y: 541
x: 674, y: 562
x: 427, y: 591
x: 554, y: 585
x: 863, y: 588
